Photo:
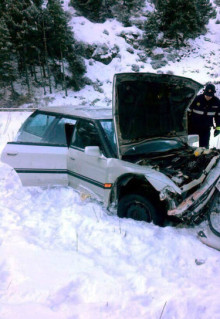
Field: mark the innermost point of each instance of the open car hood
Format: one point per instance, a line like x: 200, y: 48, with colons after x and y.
x: 148, y: 106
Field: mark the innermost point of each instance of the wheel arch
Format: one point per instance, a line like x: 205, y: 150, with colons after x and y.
x: 131, y: 183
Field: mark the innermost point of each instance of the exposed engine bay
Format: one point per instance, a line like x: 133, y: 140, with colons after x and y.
x: 183, y: 166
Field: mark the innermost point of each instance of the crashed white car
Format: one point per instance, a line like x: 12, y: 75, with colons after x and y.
x: 135, y: 158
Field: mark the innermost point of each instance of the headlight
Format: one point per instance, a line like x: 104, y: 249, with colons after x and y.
x: 166, y: 192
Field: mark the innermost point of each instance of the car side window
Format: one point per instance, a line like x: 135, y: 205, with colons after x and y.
x: 85, y: 134
x: 108, y: 127
x: 57, y: 134
x: 34, y: 128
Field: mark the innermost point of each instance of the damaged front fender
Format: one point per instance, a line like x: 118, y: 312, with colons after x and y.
x: 157, y: 179
x: 193, y: 204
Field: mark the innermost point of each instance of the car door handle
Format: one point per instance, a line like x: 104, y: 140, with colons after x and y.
x: 72, y: 158
x: 12, y: 154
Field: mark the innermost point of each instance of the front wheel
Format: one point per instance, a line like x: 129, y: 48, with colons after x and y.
x: 138, y: 207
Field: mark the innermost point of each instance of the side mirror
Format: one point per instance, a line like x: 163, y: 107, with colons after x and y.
x: 93, y: 151
x: 69, y: 128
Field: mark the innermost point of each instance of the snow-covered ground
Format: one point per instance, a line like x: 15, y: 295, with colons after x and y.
x: 64, y: 258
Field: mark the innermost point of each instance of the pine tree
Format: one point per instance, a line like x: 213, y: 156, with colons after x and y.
x: 91, y: 9
x: 129, y: 3
x: 58, y: 33
x: 205, y: 12
x: 19, y: 27
x: 7, y: 73
x: 100, y: 10
x: 38, y: 3
x: 177, y: 20
x: 42, y: 41
x: 62, y: 46
x: 2, y: 7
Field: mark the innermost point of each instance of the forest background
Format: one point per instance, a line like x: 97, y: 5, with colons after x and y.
x: 40, y: 54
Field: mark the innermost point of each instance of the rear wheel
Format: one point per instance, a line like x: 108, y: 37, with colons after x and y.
x: 138, y: 207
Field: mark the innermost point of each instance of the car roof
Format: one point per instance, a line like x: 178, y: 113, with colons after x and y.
x: 97, y: 113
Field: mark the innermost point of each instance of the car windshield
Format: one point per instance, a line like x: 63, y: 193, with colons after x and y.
x: 108, y: 127
x: 155, y: 146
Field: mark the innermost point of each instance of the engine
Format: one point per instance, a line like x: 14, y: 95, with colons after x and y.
x: 182, y: 166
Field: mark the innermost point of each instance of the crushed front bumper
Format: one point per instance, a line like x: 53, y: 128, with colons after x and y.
x: 192, y: 206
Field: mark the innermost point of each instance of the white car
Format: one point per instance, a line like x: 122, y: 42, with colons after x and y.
x: 134, y: 158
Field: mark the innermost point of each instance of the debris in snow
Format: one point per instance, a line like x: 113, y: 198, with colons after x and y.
x: 199, y: 262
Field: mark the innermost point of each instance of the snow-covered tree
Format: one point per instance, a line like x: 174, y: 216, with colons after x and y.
x: 89, y: 8
x: 7, y: 72
x: 177, y: 20
x: 62, y: 45
x: 100, y: 10
x: 40, y: 38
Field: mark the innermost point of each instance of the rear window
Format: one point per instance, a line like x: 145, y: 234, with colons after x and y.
x: 44, y: 129
x: 39, y: 124
x: 34, y: 128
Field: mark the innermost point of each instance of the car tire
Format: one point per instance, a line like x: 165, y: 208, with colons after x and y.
x: 138, y: 207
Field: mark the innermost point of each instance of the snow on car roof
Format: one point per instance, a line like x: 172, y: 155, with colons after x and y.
x: 85, y: 112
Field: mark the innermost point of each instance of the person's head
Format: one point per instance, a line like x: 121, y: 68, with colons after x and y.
x: 209, y: 91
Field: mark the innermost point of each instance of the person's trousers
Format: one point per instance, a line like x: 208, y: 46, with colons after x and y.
x: 204, y: 136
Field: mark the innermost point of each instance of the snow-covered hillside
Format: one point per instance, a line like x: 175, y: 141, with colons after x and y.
x: 199, y: 61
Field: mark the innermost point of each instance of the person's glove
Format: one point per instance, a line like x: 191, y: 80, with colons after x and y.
x: 217, y: 131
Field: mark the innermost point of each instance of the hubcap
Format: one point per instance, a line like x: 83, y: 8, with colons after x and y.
x: 138, y: 211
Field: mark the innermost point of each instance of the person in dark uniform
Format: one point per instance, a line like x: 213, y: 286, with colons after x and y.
x: 203, y: 114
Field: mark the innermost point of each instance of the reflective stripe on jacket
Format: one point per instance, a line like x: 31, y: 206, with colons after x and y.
x: 203, y: 112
